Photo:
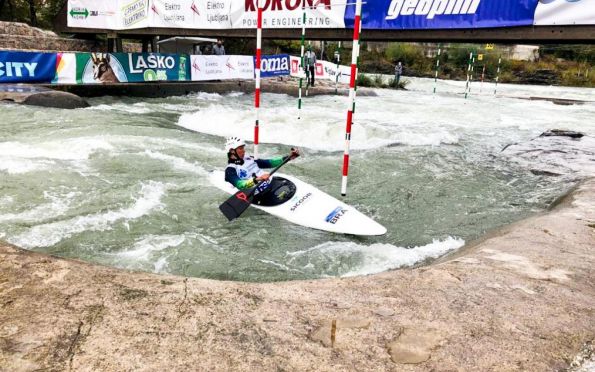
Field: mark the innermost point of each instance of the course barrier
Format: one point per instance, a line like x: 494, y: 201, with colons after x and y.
x: 103, y: 68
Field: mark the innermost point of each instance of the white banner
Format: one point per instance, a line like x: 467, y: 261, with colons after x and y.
x: 191, y: 14
x: 289, y: 14
x: 111, y: 15
x: 65, y: 69
x: 221, y: 67
x: 200, y: 14
x: 569, y: 12
x: 323, y: 70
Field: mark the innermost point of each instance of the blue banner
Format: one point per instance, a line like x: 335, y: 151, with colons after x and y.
x: 274, y: 65
x: 443, y: 14
x: 22, y: 67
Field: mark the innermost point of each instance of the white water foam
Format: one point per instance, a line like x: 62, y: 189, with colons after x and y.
x: 58, y: 205
x: 377, y: 258
x: 178, y: 163
x: 47, y: 235
x: 142, y: 249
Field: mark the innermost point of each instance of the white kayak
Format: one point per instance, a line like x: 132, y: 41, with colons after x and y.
x: 313, y: 208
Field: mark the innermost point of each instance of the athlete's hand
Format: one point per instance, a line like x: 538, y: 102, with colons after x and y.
x: 295, y: 152
x: 263, y: 177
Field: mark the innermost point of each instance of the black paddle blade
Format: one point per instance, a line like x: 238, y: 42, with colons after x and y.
x: 233, y: 207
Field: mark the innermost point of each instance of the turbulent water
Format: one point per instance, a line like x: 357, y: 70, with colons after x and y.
x: 125, y: 182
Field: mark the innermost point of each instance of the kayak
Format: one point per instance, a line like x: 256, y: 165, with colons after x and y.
x: 296, y: 201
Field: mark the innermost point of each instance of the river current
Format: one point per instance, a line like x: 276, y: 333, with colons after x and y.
x: 125, y: 182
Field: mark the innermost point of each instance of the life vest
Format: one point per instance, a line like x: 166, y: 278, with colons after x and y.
x: 248, y: 169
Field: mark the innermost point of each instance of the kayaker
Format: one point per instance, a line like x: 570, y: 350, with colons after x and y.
x: 243, y: 171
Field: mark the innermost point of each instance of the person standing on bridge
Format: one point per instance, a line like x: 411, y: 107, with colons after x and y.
x: 310, y: 61
x: 219, y: 49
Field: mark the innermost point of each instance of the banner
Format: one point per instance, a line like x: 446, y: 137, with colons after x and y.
x: 22, y: 67
x: 221, y: 67
x: 289, y: 13
x: 130, y: 67
x: 322, y: 70
x: 65, y: 69
x: 191, y: 14
x: 339, y: 14
x: 565, y: 12
x: 275, y: 65
x: 110, y: 15
x: 443, y: 14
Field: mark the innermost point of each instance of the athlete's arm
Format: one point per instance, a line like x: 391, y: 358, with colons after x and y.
x: 232, y: 177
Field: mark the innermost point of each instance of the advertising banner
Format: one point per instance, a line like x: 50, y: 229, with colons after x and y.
x: 274, y: 65
x: 191, y: 14
x: 65, y: 69
x: 565, y: 12
x: 221, y: 67
x: 21, y: 67
x: 323, y: 70
x: 289, y: 13
x: 110, y: 15
x: 130, y: 67
x: 443, y: 14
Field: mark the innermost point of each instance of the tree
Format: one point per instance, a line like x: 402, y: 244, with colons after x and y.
x: 32, y: 13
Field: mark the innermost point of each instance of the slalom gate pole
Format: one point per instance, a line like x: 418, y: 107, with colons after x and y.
x: 497, y: 74
x: 483, y: 74
x: 437, y: 67
x: 468, y: 75
x: 472, y: 73
x: 301, y: 68
x: 352, y: 93
x: 257, y: 73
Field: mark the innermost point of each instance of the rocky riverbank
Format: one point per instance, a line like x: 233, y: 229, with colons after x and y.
x: 522, y: 298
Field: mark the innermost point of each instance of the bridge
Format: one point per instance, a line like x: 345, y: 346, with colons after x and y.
x: 570, y: 34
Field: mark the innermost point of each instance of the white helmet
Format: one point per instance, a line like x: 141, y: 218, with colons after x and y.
x: 232, y: 143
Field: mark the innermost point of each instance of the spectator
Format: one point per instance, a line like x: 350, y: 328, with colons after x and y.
x: 398, y: 72
x: 310, y: 65
x: 219, y: 49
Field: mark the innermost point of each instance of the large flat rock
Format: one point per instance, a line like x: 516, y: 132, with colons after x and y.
x: 522, y: 298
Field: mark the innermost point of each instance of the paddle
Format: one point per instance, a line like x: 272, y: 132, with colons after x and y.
x: 233, y: 207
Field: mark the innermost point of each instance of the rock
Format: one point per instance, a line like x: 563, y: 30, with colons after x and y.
x: 40, y: 96
x: 56, y: 99
x: 414, y: 346
x: 384, y: 311
x: 562, y: 133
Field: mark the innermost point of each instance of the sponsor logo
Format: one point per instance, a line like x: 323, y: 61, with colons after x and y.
x: 250, y: 5
x: 194, y: 8
x: 243, y: 174
x: 79, y: 13
x: 18, y: 69
x: 151, y: 61
x: 336, y: 215
x: 431, y: 8
x: 229, y: 65
x: 302, y: 200
x: 274, y: 64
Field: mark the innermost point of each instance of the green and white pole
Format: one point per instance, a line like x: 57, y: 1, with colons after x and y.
x: 437, y: 67
x: 301, y: 68
x: 468, y: 75
x: 497, y: 74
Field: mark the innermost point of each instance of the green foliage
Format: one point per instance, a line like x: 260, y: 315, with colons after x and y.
x: 20, y: 11
x: 408, y: 54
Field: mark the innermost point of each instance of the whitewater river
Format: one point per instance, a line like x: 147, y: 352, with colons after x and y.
x: 125, y: 182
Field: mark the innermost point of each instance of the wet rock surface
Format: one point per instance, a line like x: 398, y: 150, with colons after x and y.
x: 522, y: 298
x: 40, y: 96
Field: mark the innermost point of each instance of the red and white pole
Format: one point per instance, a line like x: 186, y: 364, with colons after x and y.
x: 352, y: 93
x: 257, y: 73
